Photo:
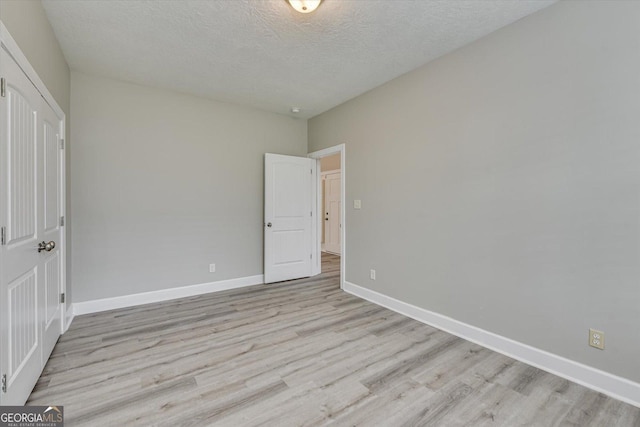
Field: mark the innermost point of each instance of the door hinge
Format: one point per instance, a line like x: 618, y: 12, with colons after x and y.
x: 3, y: 235
x: 310, y: 256
x: 4, y: 383
x: 62, y: 143
x: 62, y: 298
x: 3, y: 87
x: 311, y: 171
x: 311, y: 213
x: 62, y: 221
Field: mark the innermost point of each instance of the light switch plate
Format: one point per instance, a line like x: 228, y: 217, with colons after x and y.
x: 357, y: 204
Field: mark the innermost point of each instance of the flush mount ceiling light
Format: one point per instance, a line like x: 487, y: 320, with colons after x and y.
x: 305, y: 6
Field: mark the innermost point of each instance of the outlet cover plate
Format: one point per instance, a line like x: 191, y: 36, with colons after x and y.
x: 596, y: 339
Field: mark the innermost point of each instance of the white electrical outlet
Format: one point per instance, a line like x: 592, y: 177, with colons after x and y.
x: 596, y: 339
x: 212, y: 268
x: 357, y: 204
x: 372, y: 274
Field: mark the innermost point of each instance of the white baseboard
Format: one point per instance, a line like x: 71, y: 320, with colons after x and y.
x: 94, y: 306
x: 601, y: 381
x: 68, y: 318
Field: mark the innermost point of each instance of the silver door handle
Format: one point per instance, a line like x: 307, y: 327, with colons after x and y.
x: 269, y: 224
x: 42, y: 246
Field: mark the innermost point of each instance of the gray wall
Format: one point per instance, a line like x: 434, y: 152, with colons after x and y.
x: 28, y: 24
x: 500, y: 184
x: 164, y: 184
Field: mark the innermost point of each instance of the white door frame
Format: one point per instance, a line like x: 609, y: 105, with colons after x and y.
x: 316, y: 239
x: 11, y: 47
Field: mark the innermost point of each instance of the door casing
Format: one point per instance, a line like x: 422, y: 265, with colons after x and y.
x: 317, y: 211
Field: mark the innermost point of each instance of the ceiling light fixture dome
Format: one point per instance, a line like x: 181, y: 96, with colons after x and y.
x: 305, y: 6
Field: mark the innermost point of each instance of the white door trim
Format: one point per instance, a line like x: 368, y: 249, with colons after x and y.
x: 11, y: 47
x: 316, y: 266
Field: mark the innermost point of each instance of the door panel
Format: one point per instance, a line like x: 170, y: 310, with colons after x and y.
x: 51, y: 175
x: 289, y: 247
x: 21, y: 169
x: 287, y: 235
x: 23, y: 325
x: 23, y: 358
x: 289, y: 181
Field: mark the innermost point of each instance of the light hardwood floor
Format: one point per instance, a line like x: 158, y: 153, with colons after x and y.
x: 298, y: 353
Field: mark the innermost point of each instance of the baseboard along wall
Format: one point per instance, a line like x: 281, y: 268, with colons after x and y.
x: 95, y: 306
x: 595, y: 379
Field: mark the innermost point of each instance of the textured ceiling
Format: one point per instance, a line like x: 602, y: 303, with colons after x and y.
x: 264, y: 54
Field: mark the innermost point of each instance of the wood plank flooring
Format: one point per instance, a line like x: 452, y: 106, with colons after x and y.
x: 298, y: 353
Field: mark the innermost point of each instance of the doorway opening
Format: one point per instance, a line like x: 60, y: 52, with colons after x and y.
x: 330, y: 177
x: 329, y: 233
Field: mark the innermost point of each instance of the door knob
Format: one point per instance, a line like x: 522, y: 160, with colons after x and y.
x: 269, y: 224
x: 42, y: 246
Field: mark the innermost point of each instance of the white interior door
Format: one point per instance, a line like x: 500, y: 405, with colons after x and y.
x: 332, y: 205
x: 287, y: 217
x: 30, y: 197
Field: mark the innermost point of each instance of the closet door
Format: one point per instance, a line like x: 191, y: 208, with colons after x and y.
x: 30, y: 270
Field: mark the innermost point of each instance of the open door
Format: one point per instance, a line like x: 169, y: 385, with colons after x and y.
x: 287, y: 217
